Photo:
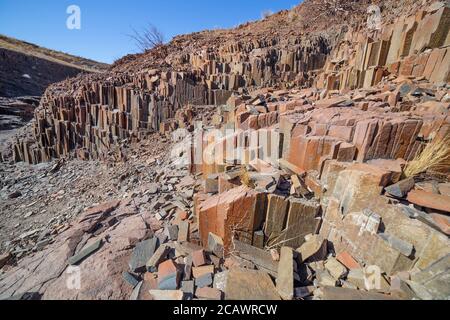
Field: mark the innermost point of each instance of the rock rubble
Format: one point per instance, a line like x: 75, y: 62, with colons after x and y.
x: 246, y: 171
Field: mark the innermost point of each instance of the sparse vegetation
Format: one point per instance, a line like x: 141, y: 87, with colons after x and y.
x: 150, y: 38
x: 435, y: 156
x: 245, y: 178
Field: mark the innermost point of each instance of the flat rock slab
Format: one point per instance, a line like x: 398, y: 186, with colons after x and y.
x: 83, y: 254
x: 208, y: 294
x: 199, y: 272
x: 47, y: 273
x: 262, y: 259
x: 333, y: 293
x: 401, y: 188
x: 205, y: 280
x: 183, y: 231
x: 429, y: 200
x: 215, y: 245
x: 244, y: 284
x: 285, y: 280
x: 142, y: 254
x: 172, y: 232
x: 130, y: 279
x: 167, y: 295
x: 157, y: 258
x: 220, y: 280
x: 348, y: 261
x: 136, y: 291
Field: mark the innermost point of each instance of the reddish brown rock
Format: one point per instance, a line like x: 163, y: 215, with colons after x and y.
x: 198, y: 258
x: 198, y: 272
x: 208, y: 293
x: 347, y: 260
x: 91, y: 217
x: 443, y: 221
x: 429, y: 200
x: 236, y: 213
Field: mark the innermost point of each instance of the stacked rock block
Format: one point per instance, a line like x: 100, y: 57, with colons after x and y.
x: 102, y: 115
x: 94, y: 116
x: 307, y: 137
x: 353, y: 134
x: 262, y: 62
x: 344, y: 149
x: 360, y: 221
x: 257, y: 218
x: 416, y: 46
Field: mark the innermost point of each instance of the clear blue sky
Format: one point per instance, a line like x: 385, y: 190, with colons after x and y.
x: 106, y: 24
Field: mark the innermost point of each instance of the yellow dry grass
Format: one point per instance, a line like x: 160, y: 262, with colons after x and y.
x: 435, y: 157
x: 245, y: 178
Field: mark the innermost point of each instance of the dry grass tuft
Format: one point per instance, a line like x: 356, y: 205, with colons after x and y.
x: 435, y: 157
x: 245, y: 178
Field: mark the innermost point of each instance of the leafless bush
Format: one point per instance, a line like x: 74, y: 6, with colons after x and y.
x: 435, y: 157
x: 150, y: 38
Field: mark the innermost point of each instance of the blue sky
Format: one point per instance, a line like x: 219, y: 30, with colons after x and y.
x: 106, y: 24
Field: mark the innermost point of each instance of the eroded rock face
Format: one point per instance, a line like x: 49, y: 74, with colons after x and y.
x: 313, y: 176
x: 236, y: 213
x: 105, y: 112
x: 411, y: 46
x: 91, y: 115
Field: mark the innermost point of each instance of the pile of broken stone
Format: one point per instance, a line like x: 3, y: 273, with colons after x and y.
x: 176, y: 237
x: 138, y: 208
x: 333, y: 202
x: 319, y: 206
x: 302, y: 262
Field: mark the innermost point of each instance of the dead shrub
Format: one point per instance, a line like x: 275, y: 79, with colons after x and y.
x: 435, y: 157
x: 147, y: 39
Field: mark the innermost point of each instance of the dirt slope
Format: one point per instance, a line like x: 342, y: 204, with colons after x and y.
x: 27, y: 69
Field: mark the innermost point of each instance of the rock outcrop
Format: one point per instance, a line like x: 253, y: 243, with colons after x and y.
x: 142, y: 93
x: 319, y: 161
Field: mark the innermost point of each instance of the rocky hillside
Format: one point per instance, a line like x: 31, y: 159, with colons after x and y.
x: 141, y: 92
x: 27, y: 69
x: 302, y: 157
